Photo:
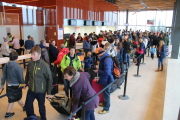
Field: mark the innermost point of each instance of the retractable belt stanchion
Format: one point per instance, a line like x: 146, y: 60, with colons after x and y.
x: 83, y: 111
x: 124, y: 96
x: 148, y: 52
x: 143, y: 61
x: 137, y: 75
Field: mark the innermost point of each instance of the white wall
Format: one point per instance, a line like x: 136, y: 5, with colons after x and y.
x: 37, y: 32
x: 87, y: 29
x: 15, y: 30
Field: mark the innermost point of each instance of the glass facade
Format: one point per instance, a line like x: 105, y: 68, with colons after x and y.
x: 146, y: 20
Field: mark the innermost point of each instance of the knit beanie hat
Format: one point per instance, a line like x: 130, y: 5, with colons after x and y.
x: 99, y: 50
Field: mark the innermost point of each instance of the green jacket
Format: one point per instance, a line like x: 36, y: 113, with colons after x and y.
x: 10, y: 40
x: 66, y: 61
x: 38, y: 77
x: 166, y: 40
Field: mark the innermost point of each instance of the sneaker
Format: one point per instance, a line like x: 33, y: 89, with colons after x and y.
x: 101, y: 104
x: 103, y: 112
x: 8, y: 115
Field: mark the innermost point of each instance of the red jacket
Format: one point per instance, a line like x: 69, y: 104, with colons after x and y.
x: 61, y: 54
x: 99, y: 41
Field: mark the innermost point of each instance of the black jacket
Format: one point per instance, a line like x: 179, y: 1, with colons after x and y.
x: 127, y: 47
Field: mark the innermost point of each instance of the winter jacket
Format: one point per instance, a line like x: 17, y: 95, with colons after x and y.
x: 120, y: 55
x: 86, y: 46
x: 99, y: 41
x: 127, y: 46
x: 61, y: 54
x: 162, y: 52
x: 79, y: 39
x: 38, y: 77
x: 71, y: 40
x: 83, y: 91
x: 12, y: 72
x: 5, y: 49
x: 29, y: 44
x: 53, y: 52
x: 66, y: 62
x: 105, y: 70
x: 94, y: 45
x: 120, y: 37
x: 166, y: 40
x: 15, y: 43
x: 88, y: 61
x: 44, y: 54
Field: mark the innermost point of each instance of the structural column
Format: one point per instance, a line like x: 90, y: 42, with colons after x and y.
x: 176, y: 31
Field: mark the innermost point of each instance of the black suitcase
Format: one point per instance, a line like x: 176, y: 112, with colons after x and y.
x: 113, y: 87
x: 120, y: 81
x: 55, y: 80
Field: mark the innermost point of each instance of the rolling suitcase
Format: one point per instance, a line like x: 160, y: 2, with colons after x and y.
x: 97, y: 87
x: 62, y: 105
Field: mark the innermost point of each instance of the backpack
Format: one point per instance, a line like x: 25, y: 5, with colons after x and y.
x: 116, y: 67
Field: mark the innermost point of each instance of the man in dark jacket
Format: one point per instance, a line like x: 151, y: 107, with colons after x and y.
x: 39, y: 80
x: 53, y: 51
x: 44, y: 52
x: 119, y: 36
x: 106, y: 77
x: 72, y: 40
x: 28, y: 44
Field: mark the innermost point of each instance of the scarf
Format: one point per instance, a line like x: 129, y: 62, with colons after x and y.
x: 74, y: 79
x: 160, y: 47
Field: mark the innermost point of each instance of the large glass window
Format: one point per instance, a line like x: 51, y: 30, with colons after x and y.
x: 132, y: 18
x: 141, y: 18
x: 169, y: 18
x: 151, y: 15
x: 161, y: 18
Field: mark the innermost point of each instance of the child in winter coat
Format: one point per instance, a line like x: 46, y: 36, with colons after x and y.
x: 88, y: 61
x: 153, y: 51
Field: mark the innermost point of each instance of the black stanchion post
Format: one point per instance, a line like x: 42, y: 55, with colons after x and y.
x: 148, y: 52
x: 137, y: 75
x: 143, y: 61
x: 83, y: 111
x: 124, y: 96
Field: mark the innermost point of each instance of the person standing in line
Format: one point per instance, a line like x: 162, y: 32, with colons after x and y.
x: 28, y: 45
x: 39, y: 81
x: 16, y: 45
x: 44, y: 52
x: 53, y: 51
x: 161, y: 55
x: 13, y: 75
x: 70, y: 59
x: 72, y: 40
x: 87, y: 46
x: 105, y: 77
x: 82, y: 91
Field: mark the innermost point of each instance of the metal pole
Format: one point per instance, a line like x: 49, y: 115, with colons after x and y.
x: 83, y: 111
x: 124, y: 96
x: 137, y: 75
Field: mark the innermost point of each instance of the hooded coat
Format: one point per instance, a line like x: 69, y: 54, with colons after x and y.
x: 61, y: 54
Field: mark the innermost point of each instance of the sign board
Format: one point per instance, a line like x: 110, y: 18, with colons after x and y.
x: 60, y: 33
x: 150, y: 22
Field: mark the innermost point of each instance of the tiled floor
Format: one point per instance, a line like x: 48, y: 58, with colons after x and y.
x: 146, y: 94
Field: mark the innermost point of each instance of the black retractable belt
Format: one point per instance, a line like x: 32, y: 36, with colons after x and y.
x: 1, y: 91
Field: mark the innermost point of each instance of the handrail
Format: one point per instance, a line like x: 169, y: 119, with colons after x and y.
x: 103, y: 89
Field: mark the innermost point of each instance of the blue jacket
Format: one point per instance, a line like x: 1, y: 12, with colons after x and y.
x: 162, y: 52
x: 120, y: 55
x: 53, y: 52
x: 120, y: 37
x: 86, y: 46
x: 88, y: 61
x: 141, y: 46
x: 105, y: 70
x: 29, y: 44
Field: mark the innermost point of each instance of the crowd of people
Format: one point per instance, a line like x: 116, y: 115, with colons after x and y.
x: 74, y: 66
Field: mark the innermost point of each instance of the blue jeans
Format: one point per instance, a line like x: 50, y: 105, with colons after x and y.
x: 40, y: 97
x: 106, y: 94
x: 89, y: 115
x: 66, y: 87
x: 127, y: 58
x: 160, y: 61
